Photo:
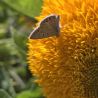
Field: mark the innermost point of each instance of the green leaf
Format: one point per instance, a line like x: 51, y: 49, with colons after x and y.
x: 31, y: 94
x: 3, y: 28
x: 4, y: 94
x: 20, y: 39
x: 4, y: 50
x: 29, y: 8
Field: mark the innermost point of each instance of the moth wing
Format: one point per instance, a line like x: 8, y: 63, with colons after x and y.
x: 35, y: 34
x: 53, y: 20
x: 50, y: 26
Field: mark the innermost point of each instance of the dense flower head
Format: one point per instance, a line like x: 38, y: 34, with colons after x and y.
x: 67, y: 66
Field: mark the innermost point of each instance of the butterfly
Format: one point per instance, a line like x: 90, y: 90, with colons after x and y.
x: 48, y: 27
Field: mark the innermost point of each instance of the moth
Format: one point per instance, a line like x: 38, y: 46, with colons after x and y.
x: 48, y: 27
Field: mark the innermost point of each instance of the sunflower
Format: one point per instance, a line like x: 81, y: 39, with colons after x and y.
x: 67, y: 66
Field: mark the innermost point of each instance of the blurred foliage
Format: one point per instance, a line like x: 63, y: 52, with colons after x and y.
x: 4, y: 94
x: 16, y: 23
x: 30, y: 8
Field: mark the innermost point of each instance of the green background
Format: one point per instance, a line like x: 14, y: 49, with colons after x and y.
x: 17, y: 19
